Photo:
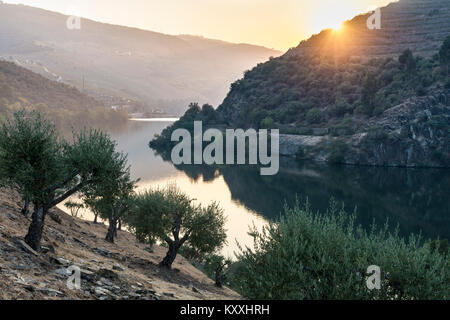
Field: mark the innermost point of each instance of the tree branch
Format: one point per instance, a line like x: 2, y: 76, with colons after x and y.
x: 168, y: 240
x: 67, y: 194
x: 63, y: 183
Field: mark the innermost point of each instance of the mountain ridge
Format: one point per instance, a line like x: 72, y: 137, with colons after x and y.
x: 123, y: 61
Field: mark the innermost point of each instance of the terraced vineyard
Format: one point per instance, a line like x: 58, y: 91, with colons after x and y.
x: 420, y: 25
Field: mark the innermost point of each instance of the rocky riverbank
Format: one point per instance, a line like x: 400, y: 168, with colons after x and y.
x: 415, y: 133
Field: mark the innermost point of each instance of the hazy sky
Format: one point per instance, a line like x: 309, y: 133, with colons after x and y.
x: 279, y: 24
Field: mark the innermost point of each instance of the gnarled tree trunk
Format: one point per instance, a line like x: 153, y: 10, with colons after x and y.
x: 26, y: 208
x: 34, y: 235
x: 95, y: 218
x: 170, y: 256
x: 112, y: 230
x: 219, y: 276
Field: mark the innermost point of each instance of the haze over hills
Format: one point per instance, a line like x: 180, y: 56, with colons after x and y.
x: 65, y: 105
x: 125, y: 62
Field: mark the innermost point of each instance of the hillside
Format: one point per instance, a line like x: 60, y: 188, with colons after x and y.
x: 65, y: 105
x: 125, y: 270
x: 419, y: 25
x: 159, y: 70
x: 354, y: 96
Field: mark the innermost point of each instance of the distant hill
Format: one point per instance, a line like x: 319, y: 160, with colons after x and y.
x: 356, y: 96
x: 66, y: 105
x: 157, y: 69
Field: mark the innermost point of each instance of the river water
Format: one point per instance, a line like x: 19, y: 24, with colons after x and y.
x: 415, y: 200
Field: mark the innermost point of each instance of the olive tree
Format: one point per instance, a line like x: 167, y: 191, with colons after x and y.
x: 170, y: 216
x: 45, y: 169
x: 112, y: 199
x: 217, y: 267
x: 313, y: 256
x: 74, y: 208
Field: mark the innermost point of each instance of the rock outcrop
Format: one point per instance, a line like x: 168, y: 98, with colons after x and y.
x: 412, y: 134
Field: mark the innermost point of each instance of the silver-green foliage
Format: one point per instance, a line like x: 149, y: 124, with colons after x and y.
x: 313, y: 256
x: 168, y: 215
x: 46, y: 169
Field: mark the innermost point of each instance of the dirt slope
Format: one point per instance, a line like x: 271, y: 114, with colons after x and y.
x: 124, y: 270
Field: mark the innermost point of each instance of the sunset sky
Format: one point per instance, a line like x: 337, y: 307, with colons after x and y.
x: 278, y: 24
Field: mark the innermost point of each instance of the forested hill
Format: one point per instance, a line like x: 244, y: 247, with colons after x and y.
x: 66, y: 105
x: 356, y: 96
x: 326, y: 73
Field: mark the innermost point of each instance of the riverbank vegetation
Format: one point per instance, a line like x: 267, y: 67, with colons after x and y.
x: 308, y: 255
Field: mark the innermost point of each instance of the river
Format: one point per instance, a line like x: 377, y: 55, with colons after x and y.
x: 415, y: 200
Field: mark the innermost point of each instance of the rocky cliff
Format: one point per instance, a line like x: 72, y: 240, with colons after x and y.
x: 413, y: 134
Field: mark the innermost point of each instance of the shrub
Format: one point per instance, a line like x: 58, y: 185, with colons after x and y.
x: 340, y: 108
x: 325, y: 256
x: 337, y: 151
x: 407, y: 60
x: 300, y: 154
x: 266, y: 123
x: 314, y: 116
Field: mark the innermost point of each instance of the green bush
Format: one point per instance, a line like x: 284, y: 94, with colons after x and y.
x: 447, y: 84
x: 340, y: 108
x: 337, y: 151
x: 313, y: 116
x: 313, y: 256
x: 266, y: 123
x: 300, y: 154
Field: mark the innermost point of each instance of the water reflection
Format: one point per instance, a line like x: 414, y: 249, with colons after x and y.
x: 415, y: 199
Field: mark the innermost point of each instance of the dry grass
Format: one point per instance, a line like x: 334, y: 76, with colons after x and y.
x: 78, y: 241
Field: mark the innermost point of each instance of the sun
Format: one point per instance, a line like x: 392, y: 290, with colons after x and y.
x: 337, y: 27
x: 332, y: 16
